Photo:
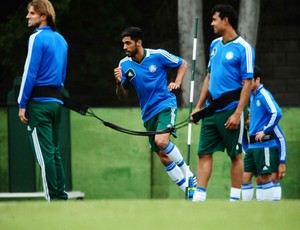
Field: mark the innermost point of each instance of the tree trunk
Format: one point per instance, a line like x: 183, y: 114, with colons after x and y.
x: 187, y: 11
x: 248, y: 20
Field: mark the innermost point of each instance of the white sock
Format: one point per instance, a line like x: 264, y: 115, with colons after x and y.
x: 235, y: 194
x: 174, y: 155
x: 176, y: 175
x: 259, y: 192
x: 247, y: 192
x: 277, y: 191
x: 268, y: 191
x: 199, y: 195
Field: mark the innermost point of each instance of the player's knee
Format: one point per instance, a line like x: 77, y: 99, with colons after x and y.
x: 161, y: 142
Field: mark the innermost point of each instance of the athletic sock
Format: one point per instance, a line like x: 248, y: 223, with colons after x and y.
x: 268, y: 191
x: 277, y: 191
x: 174, y: 154
x: 247, y: 192
x: 235, y: 194
x: 199, y: 195
x: 176, y: 175
x: 259, y: 192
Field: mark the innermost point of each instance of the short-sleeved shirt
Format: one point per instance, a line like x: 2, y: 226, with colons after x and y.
x: 229, y: 64
x: 149, y: 78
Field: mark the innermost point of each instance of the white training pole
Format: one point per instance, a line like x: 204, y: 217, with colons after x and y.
x: 189, y: 140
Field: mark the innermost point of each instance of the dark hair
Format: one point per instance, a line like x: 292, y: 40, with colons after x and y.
x: 257, y: 72
x: 135, y: 33
x: 226, y: 11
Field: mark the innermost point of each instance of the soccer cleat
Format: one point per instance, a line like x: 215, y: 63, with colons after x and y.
x: 192, y: 181
x: 190, y: 192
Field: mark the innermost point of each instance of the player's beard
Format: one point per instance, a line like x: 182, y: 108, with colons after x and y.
x: 132, y: 53
x: 34, y: 25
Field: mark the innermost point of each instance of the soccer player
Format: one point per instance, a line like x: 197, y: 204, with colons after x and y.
x: 266, y: 155
x: 40, y: 101
x: 146, y: 70
x: 230, y: 69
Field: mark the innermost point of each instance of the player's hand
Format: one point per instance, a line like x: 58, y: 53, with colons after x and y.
x: 191, y: 115
x: 259, y: 136
x: 281, y: 171
x: 173, y: 86
x: 233, y: 121
x: 22, y: 116
x: 118, y: 74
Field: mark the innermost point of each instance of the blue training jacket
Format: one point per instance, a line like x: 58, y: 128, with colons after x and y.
x: 45, y: 64
x: 265, y: 114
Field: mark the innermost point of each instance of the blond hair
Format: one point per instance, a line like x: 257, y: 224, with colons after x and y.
x: 44, y: 7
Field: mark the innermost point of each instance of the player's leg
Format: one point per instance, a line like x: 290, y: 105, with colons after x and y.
x: 275, y: 175
x: 262, y: 156
x: 259, y: 191
x: 247, y: 187
x: 165, y: 119
x: 277, y: 187
x: 233, y: 141
x: 249, y: 169
x: 208, y: 143
x: 60, y: 174
x: 173, y: 171
x: 40, y: 128
x: 204, y: 170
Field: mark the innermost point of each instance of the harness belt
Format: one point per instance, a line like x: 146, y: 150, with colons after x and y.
x: 218, y: 103
x: 49, y: 91
x: 265, y: 138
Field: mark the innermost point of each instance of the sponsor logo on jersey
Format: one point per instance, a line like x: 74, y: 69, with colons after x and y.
x: 213, y: 52
x: 130, y: 73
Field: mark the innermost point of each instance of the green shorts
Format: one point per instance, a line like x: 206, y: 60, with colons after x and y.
x: 261, y: 160
x: 161, y: 121
x: 215, y: 137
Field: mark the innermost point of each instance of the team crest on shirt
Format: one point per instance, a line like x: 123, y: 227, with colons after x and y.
x: 229, y: 55
x: 130, y: 73
x: 152, y: 68
x: 258, y: 103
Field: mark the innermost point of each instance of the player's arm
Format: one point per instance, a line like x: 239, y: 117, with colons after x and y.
x: 120, y: 91
x: 180, y: 74
x: 203, y: 96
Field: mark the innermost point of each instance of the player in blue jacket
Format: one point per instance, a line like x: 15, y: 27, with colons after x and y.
x: 266, y: 154
x: 40, y: 100
x: 146, y: 70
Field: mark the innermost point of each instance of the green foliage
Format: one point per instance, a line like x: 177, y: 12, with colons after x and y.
x: 92, y: 30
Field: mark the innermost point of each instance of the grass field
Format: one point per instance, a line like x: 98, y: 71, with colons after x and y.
x: 149, y: 214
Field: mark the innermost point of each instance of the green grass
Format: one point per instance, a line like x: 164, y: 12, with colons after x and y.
x: 149, y: 214
x: 107, y: 164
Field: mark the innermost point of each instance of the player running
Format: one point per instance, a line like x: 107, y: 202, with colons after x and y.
x: 146, y: 70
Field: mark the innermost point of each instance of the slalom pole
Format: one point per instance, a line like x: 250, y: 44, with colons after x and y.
x: 191, y: 101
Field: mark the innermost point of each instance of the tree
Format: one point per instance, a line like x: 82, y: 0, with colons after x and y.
x: 187, y: 11
x: 249, y: 12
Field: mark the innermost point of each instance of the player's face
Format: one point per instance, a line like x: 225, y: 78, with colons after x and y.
x: 217, y: 23
x: 35, y: 19
x: 129, y: 46
x: 255, y: 84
